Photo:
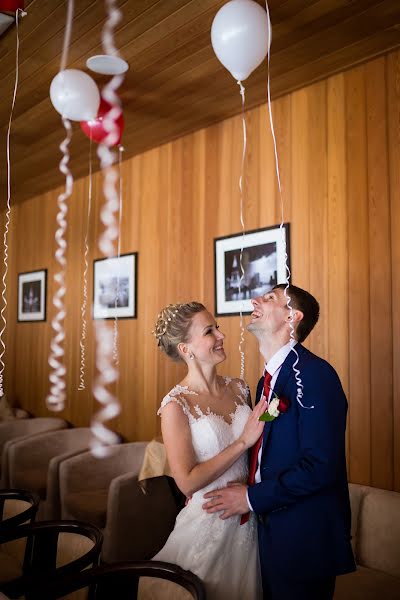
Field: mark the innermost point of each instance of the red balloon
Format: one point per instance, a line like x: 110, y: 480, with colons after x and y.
x: 94, y: 129
x: 11, y: 5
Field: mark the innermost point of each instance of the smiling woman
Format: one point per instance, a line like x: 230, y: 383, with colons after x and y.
x: 207, y: 427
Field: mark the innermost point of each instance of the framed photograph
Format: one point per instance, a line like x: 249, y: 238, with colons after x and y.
x: 114, y: 287
x: 32, y: 296
x: 263, y: 263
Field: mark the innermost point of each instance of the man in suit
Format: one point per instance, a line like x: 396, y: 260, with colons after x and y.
x: 300, y: 491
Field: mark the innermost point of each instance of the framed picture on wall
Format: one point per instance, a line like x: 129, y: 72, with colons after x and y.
x: 115, y: 287
x: 263, y: 262
x: 32, y: 296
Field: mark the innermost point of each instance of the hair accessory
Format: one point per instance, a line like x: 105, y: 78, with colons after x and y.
x: 162, y: 320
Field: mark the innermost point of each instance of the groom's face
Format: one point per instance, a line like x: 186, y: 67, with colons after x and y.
x: 270, y: 314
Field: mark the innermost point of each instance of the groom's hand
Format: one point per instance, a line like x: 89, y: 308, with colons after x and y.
x: 230, y: 501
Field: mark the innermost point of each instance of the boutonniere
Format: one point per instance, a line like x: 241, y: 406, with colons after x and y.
x: 275, y: 408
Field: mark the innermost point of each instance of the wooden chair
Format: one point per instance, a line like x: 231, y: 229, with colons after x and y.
x: 17, y: 507
x: 119, y: 580
x: 48, y: 548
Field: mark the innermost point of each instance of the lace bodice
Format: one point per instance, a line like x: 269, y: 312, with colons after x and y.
x: 211, y: 433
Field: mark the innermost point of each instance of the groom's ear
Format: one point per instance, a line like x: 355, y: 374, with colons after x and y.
x: 295, y: 316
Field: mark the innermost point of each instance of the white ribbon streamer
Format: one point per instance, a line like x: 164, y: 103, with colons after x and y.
x: 116, y: 332
x: 107, y: 374
x: 56, y: 398
x: 299, y: 394
x: 82, y: 342
x: 8, y: 211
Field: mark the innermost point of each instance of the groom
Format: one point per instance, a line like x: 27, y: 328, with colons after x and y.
x: 300, y: 493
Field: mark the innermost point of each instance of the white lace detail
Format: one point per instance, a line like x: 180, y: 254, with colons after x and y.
x: 172, y: 396
x: 200, y: 540
x: 244, y: 390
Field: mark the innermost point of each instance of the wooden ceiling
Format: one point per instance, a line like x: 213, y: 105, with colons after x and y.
x: 175, y: 83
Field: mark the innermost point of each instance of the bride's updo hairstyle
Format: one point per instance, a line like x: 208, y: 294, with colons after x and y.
x: 172, y: 327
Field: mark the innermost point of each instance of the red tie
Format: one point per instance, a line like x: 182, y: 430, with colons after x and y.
x: 256, y: 448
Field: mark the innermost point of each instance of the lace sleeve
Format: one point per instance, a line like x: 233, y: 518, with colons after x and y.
x: 244, y: 391
x: 174, y: 396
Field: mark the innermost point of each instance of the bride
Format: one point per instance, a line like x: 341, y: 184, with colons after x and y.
x: 207, y: 427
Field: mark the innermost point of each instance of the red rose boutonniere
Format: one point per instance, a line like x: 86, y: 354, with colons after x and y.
x: 275, y: 408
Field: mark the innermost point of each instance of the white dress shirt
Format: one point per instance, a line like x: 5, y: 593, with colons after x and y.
x: 273, y: 367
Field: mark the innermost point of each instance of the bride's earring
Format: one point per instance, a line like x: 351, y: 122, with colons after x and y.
x: 191, y: 356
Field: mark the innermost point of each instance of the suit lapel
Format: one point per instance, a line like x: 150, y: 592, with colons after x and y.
x: 285, y: 372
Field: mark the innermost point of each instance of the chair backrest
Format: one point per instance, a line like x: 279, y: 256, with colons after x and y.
x: 120, y: 580
x: 17, y: 507
x: 51, y: 549
x: 378, y: 539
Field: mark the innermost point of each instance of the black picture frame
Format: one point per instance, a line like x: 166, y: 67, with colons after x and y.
x: 32, y: 296
x: 263, y: 262
x: 115, y: 287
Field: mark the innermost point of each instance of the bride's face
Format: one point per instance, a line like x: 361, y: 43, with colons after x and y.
x: 206, y: 342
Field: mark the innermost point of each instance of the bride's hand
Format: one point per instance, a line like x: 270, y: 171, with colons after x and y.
x: 254, y: 428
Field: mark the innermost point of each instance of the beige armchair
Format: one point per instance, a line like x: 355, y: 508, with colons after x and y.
x: 147, y: 513
x: 376, y: 545
x: 34, y: 464
x: 105, y: 492
x: 10, y: 431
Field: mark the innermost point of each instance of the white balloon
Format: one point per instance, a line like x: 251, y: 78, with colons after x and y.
x: 240, y: 36
x: 75, y: 95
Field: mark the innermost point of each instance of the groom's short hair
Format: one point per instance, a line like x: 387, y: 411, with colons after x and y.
x: 308, y: 305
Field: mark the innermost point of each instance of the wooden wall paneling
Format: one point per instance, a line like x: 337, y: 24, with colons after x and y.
x: 150, y: 227
x: 337, y: 331
x: 358, y: 268
x: 282, y: 125
x: 335, y: 168
x: 380, y: 277
x: 212, y: 175
x: 337, y: 283
x: 393, y: 112
x: 79, y: 402
x: 318, y: 211
x: 300, y: 230
x: 228, y: 223
x: 10, y: 310
x: 202, y: 238
x: 135, y: 333
x: 251, y: 177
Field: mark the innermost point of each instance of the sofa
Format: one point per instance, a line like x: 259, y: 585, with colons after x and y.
x: 376, y: 546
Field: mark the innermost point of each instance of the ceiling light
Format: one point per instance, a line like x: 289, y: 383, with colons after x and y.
x: 107, y: 65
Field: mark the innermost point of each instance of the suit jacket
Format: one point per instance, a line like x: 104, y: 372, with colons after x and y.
x: 302, y: 501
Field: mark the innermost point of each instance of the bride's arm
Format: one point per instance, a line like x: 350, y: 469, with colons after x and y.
x: 189, y: 474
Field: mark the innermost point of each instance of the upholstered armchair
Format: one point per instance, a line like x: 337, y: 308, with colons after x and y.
x: 34, y: 464
x: 136, y: 518
x: 10, y: 431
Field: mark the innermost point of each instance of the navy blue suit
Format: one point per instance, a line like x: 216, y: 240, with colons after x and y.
x: 302, y: 501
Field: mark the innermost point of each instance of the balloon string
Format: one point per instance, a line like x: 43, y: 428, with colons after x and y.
x: 241, y: 342
x: 107, y: 374
x: 56, y: 398
x: 82, y: 342
x: 67, y: 35
x: 115, y: 339
x: 299, y: 384
x: 8, y: 211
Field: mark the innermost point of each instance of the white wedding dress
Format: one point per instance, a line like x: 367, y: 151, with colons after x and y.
x: 223, y: 553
